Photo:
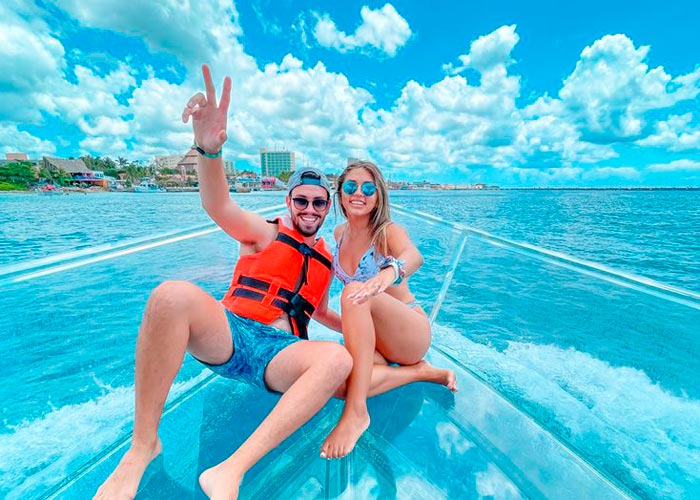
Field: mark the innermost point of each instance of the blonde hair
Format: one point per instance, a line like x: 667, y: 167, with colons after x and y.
x: 380, y: 218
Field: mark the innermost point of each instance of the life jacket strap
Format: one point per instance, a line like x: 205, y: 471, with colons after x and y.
x: 298, y: 309
x: 303, y: 249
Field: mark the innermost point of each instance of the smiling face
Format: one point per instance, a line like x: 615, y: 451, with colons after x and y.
x: 307, y: 220
x: 358, y: 204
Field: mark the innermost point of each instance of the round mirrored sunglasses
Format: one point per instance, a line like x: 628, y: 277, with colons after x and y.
x: 368, y: 188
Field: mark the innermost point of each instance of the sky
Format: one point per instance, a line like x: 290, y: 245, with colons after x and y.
x: 515, y: 94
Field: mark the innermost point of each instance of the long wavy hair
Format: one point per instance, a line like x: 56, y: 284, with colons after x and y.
x: 380, y: 217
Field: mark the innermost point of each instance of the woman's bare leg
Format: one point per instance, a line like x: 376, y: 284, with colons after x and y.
x: 399, y: 334
x: 386, y: 378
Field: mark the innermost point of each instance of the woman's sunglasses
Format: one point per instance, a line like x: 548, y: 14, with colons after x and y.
x: 319, y: 204
x: 368, y: 188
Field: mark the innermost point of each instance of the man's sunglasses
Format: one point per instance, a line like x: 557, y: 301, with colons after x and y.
x: 319, y: 204
x: 368, y: 188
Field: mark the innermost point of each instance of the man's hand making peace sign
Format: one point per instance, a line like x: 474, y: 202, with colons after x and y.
x: 208, y: 119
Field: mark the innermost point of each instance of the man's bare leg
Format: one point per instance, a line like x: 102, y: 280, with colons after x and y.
x: 308, y: 373
x: 178, y: 316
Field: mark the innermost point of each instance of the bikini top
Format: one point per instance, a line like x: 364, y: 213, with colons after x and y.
x: 366, y: 269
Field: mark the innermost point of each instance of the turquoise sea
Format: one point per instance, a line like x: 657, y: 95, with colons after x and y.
x: 651, y: 233
x: 578, y: 308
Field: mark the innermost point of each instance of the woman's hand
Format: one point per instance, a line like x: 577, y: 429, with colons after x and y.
x: 373, y: 286
x: 208, y: 119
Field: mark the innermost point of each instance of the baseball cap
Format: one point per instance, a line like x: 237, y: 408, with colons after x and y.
x: 308, y: 176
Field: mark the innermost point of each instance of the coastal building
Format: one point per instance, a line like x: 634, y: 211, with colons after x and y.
x: 271, y: 183
x: 167, y: 161
x: 188, y: 163
x: 15, y: 157
x: 80, y: 174
x: 274, y: 163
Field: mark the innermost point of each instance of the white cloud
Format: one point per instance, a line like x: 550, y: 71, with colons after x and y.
x: 675, y: 166
x: 193, y: 33
x: 382, y: 29
x: 492, y: 51
x: 31, y: 61
x: 547, y: 138
x: 555, y: 176
x: 675, y: 134
x: 16, y: 141
x: 598, y: 173
x: 104, y: 146
x: 157, y: 127
x: 92, y: 95
x: 104, y: 125
x: 304, y: 109
x: 612, y: 87
x: 454, y: 124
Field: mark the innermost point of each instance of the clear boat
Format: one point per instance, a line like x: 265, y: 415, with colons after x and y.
x: 583, y: 414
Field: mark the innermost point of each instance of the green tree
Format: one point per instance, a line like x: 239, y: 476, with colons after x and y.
x: 284, y: 176
x: 55, y: 175
x: 18, y: 173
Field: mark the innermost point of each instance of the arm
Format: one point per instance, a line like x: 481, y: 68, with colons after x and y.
x: 400, y: 247
x: 209, y: 126
x: 328, y: 317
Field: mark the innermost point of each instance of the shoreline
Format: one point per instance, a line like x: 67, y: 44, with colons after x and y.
x: 491, y: 190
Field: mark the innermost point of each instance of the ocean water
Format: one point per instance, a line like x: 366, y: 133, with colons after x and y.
x: 610, y: 370
x: 651, y: 233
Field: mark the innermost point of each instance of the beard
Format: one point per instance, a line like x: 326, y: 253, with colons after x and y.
x: 306, y: 229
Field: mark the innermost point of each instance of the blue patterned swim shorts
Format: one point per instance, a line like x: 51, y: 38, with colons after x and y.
x: 254, y: 346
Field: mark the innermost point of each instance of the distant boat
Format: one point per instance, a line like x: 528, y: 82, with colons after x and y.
x: 49, y: 190
x: 148, y: 186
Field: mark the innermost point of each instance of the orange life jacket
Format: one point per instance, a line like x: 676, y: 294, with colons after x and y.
x: 287, y: 276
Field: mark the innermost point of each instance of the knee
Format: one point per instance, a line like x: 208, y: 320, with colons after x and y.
x: 346, y: 300
x: 339, y: 361
x: 170, y: 298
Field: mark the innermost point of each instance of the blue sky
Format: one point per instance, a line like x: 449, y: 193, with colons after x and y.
x: 507, y: 93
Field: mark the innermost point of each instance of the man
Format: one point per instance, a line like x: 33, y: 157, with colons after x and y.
x: 256, y: 332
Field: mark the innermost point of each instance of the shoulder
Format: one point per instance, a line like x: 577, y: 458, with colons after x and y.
x: 284, y: 220
x: 338, y: 231
x: 394, y: 230
x: 397, y: 238
x: 270, y: 235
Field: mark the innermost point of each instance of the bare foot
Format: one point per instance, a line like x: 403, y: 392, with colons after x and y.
x: 437, y: 375
x: 219, y: 483
x: 123, y: 483
x: 343, y: 437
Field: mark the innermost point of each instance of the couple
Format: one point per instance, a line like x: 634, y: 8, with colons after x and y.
x: 258, y: 331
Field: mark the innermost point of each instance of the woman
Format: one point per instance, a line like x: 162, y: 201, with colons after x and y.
x: 382, y: 321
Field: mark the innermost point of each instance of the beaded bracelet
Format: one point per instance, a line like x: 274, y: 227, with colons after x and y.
x: 397, y: 266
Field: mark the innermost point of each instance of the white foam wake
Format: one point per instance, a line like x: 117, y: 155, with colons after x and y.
x: 38, y: 454
x: 617, y: 416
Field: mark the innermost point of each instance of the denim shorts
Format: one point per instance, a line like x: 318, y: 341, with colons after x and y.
x: 254, y: 346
